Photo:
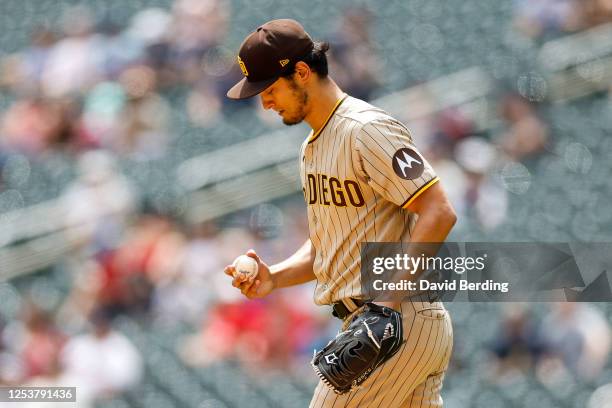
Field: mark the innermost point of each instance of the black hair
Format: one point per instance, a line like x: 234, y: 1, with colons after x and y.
x: 315, y: 59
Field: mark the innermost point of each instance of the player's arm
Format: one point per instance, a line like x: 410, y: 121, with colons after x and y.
x: 295, y: 270
x: 436, y: 215
x: 391, y: 164
x: 436, y: 218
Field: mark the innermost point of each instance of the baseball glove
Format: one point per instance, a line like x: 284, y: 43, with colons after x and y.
x: 373, y: 336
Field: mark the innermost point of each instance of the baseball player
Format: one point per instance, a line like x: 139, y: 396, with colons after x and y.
x: 363, y: 181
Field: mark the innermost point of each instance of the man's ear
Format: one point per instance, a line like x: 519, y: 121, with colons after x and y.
x: 303, y: 73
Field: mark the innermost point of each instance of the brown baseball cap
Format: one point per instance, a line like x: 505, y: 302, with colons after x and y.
x: 267, y: 53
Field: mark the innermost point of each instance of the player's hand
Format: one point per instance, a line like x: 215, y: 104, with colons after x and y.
x: 257, y: 286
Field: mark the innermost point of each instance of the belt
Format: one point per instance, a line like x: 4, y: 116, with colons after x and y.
x: 347, y: 306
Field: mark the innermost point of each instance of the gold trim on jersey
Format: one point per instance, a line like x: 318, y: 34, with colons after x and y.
x: 312, y: 137
x: 420, y: 191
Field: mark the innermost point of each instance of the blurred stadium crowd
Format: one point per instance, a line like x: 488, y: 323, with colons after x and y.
x: 97, y: 110
x: 90, y: 83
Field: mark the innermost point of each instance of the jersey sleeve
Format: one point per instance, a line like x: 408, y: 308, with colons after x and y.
x: 390, y: 163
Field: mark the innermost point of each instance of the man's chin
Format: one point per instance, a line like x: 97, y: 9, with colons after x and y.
x: 291, y: 122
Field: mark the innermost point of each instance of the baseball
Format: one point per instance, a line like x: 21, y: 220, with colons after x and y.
x: 246, y: 265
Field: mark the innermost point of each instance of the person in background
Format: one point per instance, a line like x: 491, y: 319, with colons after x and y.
x: 102, y: 362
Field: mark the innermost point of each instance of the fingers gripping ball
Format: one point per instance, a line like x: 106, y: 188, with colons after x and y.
x: 246, y: 265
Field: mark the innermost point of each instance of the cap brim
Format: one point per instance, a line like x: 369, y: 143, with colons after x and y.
x: 245, y: 89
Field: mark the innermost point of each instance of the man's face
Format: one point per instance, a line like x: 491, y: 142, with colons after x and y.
x: 287, y: 98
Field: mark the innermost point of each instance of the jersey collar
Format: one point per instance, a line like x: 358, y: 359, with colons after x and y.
x: 313, y: 136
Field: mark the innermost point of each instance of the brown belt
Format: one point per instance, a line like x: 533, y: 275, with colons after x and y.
x: 347, y: 306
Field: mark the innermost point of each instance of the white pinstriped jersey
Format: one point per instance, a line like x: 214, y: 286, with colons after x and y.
x: 359, y: 173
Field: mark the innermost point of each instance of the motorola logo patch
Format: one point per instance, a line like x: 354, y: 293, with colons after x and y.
x: 408, y: 164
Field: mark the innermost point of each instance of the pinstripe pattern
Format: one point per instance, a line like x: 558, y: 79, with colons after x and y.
x: 356, y: 145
